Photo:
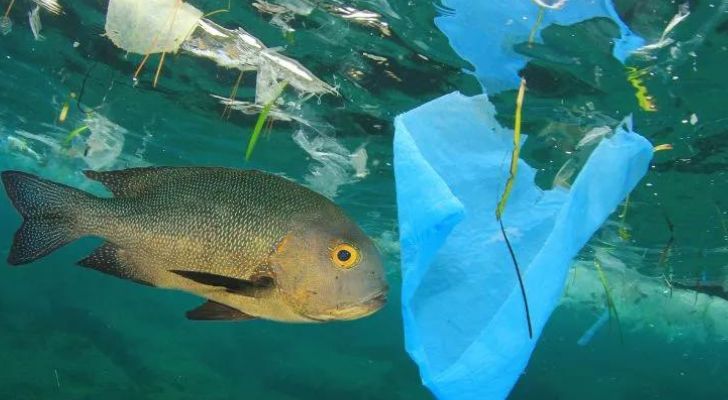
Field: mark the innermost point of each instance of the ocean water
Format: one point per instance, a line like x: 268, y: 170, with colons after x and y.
x: 72, y: 333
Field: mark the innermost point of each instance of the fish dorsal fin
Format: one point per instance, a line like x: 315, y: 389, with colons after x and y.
x: 214, y: 311
x: 137, y: 181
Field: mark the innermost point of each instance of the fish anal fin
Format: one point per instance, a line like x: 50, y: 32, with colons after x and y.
x: 110, y: 259
x: 214, y: 311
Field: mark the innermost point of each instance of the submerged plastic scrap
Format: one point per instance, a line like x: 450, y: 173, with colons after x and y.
x: 335, y: 165
x: 150, y: 26
x: 6, y: 25
x: 596, y: 327
x: 239, y: 49
x: 104, y: 144
x: 51, y: 6
x: 647, y: 305
x: 464, y: 318
x: 362, y: 17
x: 35, y: 24
x: 472, y: 22
x: 161, y: 26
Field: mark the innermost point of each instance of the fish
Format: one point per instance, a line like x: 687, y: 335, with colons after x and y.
x: 254, y: 245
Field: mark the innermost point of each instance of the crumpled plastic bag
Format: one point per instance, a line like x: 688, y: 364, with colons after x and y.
x: 484, y: 33
x: 464, y: 319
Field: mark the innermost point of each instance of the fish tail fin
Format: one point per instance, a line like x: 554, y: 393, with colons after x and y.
x: 48, y: 215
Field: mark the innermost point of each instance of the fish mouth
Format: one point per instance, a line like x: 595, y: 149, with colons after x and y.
x: 376, y: 301
x: 365, y: 308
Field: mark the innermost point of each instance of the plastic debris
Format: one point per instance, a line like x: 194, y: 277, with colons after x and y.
x: 6, y: 25
x: 598, y: 324
x: 16, y: 144
x: 105, y: 142
x: 665, y: 40
x: 646, y: 304
x: 251, y: 108
x: 241, y: 50
x: 150, y: 26
x: 362, y: 17
x: 359, y: 162
x: 470, y: 22
x: 35, y: 24
x: 464, y: 318
x: 595, y: 134
x: 335, y: 165
x: 52, y: 6
x: 230, y: 48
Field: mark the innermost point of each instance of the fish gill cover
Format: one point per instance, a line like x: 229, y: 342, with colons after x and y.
x: 467, y: 320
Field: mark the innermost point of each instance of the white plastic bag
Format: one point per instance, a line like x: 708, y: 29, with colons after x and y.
x: 150, y: 26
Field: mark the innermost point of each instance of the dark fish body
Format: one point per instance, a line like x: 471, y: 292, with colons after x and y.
x: 253, y: 244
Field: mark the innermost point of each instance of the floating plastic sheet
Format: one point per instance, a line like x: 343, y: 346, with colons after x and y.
x: 464, y: 318
x: 468, y: 24
x: 236, y: 48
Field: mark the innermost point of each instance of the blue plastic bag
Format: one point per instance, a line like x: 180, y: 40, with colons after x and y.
x: 484, y: 33
x: 464, y: 318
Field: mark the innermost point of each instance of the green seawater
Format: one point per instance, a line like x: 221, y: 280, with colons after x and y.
x: 71, y: 333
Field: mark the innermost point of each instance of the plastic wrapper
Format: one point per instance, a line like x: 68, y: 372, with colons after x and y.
x: 464, y: 319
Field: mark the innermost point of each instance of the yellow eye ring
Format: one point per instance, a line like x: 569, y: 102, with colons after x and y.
x: 345, y: 256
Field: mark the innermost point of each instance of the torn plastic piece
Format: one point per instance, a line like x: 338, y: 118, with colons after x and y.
x: 505, y: 26
x: 230, y: 48
x: 52, y: 6
x: 105, y: 142
x: 150, y: 26
x: 35, y: 24
x: 239, y: 49
x: 6, y: 25
x: 366, y: 18
x: 463, y: 314
x: 334, y: 165
x: 646, y: 304
x: 589, y: 333
x: 682, y: 14
x: 276, y: 113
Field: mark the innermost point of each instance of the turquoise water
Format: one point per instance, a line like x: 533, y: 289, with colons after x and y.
x: 72, y: 333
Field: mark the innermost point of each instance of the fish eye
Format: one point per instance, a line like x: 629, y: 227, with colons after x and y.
x: 345, y: 256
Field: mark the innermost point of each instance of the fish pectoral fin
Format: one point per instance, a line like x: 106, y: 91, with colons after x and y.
x: 254, y: 287
x: 214, y: 311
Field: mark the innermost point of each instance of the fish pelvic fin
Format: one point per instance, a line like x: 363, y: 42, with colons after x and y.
x: 48, y: 211
x: 214, y: 311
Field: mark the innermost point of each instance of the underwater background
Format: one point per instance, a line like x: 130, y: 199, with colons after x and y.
x: 73, y: 333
